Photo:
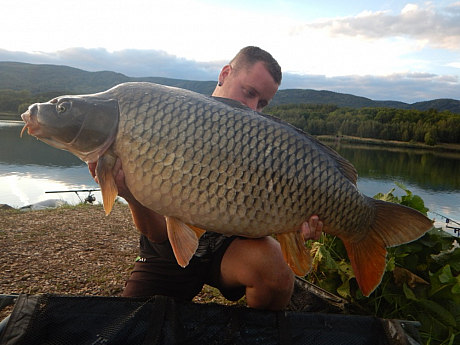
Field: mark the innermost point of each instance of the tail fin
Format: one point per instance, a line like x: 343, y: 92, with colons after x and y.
x: 393, y: 225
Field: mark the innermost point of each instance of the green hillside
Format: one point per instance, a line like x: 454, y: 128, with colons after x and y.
x: 49, y: 81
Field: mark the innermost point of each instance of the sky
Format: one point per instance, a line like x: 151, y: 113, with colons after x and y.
x: 398, y: 50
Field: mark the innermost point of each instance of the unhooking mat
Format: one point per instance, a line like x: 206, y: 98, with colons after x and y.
x: 53, y: 319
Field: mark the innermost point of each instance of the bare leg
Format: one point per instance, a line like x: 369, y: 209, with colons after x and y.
x: 258, y: 265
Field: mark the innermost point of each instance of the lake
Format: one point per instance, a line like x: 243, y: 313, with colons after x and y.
x: 30, y: 168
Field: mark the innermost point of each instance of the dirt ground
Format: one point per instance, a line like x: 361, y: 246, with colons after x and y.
x: 70, y: 250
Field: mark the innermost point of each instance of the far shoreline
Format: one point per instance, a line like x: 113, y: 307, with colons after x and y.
x: 444, y: 147
x: 336, y: 139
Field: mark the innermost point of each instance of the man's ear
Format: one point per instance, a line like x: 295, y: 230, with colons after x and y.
x: 226, y: 70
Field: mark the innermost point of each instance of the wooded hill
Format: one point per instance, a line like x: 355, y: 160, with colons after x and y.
x: 42, y: 82
x: 430, y: 127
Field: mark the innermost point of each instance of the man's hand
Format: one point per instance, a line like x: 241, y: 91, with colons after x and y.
x: 148, y: 222
x: 119, y: 177
x: 312, y: 229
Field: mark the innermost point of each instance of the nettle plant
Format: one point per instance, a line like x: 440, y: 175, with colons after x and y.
x: 421, y: 282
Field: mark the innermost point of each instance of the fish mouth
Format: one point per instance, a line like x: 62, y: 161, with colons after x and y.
x: 32, y: 125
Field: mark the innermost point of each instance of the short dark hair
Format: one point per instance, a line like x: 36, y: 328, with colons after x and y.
x: 249, y: 56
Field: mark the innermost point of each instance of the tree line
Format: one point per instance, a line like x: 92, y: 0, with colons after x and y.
x: 407, y: 125
x: 17, y: 102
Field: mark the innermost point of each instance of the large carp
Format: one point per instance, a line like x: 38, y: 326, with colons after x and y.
x: 214, y: 164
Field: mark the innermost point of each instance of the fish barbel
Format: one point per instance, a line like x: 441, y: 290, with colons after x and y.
x: 216, y: 165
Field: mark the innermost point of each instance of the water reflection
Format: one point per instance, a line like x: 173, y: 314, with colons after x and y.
x: 436, y: 171
x: 26, y: 185
x: 434, y: 176
x: 28, y: 150
x: 29, y: 168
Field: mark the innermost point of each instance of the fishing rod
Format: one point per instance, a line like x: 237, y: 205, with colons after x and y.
x: 89, y: 199
x: 449, y: 221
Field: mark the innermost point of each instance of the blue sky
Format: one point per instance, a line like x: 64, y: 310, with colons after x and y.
x: 385, y: 50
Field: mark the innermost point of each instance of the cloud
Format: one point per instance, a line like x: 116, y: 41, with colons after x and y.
x: 428, y: 25
x: 404, y: 87
x: 407, y: 87
x: 131, y: 62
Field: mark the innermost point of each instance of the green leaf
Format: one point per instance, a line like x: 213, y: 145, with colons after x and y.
x: 442, y: 285
x: 344, y: 289
x: 456, y: 289
x: 402, y: 186
x: 324, y: 257
x: 449, y: 256
x: 389, y: 197
x: 438, y: 312
x: 345, y: 270
x: 409, y: 293
x: 446, y: 275
x: 454, y: 309
x: 436, y: 282
x: 390, y: 265
x: 417, y: 203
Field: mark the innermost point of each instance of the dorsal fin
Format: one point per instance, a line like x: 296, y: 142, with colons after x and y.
x: 345, y: 167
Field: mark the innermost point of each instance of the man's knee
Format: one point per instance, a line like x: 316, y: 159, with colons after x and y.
x: 281, y: 280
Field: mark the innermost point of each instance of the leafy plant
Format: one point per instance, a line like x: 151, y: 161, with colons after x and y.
x: 421, y: 282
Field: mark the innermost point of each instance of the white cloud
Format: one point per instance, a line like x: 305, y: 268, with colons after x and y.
x: 407, y: 87
x: 131, y: 62
x: 404, y: 87
x: 193, y: 39
x: 428, y: 25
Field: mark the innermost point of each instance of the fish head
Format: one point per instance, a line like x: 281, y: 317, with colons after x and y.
x: 83, y: 125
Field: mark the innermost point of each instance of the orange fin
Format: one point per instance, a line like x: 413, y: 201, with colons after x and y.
x: 198, y: 231
x: 398, y: 224
x: 109, y: 189
x: 295, y: 253
x: 183, y: 238
x: 368, y: 259
x: 393, y: 225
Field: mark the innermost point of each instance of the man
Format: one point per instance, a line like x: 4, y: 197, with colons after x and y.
x: 236, y: 266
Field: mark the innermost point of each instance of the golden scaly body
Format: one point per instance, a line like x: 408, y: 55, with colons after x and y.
x: 231, y: 170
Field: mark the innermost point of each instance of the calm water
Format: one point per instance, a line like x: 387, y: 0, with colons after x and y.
x: 29, y: 168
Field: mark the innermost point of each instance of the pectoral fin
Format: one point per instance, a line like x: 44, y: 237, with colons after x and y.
x: 109, y: 189
x: 198, y: 231
x: 295, y: 253
x: 183, y: 238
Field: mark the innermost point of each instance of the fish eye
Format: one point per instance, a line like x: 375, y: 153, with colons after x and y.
x: 63, y: 107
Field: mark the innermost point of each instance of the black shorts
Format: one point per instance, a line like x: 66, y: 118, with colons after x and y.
x: 160, y: 276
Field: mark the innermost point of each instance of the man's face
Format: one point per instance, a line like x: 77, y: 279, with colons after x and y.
x: 254, y: 87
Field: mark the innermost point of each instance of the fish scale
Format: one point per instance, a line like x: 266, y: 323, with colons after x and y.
x: 206, y: 142
x: 213, y: 164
